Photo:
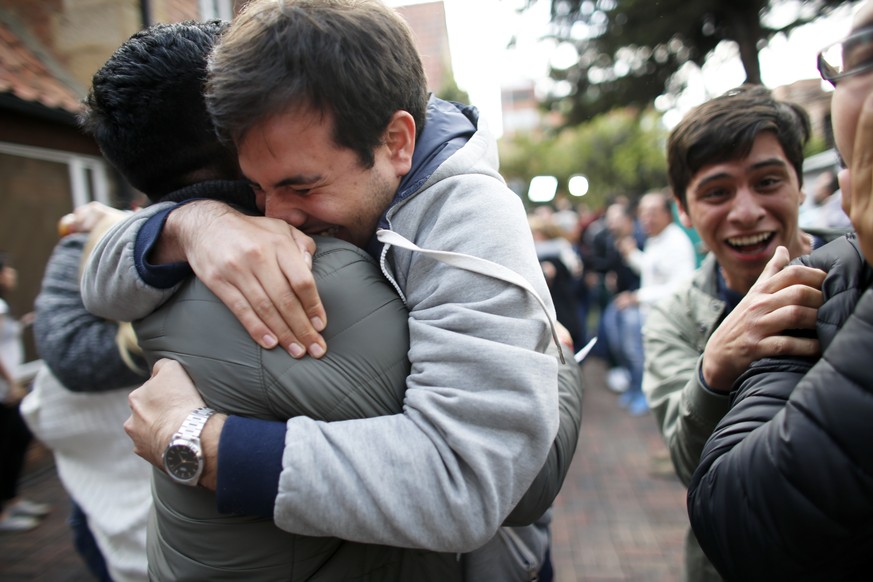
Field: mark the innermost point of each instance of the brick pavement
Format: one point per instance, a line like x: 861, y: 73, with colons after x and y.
x: 45, y: 553
x: 620, y: 515
x: 614, y: 520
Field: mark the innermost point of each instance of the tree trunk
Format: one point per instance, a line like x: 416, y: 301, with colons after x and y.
x: 745, y: 30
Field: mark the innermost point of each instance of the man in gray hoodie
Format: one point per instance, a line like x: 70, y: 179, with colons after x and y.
x: 339, y: 146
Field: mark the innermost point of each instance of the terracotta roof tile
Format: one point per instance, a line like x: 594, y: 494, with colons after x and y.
x: 24, y: 74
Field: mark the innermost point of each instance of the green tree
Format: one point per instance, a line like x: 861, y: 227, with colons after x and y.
x: 620, y: 152
x: 630, y: 50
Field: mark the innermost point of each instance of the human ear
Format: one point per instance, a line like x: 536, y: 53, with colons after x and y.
x: 400, y: 141
x: 684, y: 218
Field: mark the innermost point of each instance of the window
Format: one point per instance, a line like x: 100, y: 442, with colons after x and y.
x: 86, y: 175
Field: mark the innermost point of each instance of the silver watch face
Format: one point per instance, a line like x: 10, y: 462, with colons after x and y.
x: 182, y: 462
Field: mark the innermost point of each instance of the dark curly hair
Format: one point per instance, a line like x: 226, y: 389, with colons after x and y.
x: 146, y: 111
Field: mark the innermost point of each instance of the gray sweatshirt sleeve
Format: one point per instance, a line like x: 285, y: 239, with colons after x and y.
x: 541, y: 494
x: 112, y: 285
x: 685, y: 411
x: 481, y: 408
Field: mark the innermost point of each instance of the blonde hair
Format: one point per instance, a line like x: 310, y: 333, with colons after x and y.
x: 125, y: 339
x: 544, y: 227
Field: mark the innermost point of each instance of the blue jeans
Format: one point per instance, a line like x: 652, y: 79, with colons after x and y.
x: 624, y: 337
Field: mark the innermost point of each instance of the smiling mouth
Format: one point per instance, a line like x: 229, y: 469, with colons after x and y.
x: 752, y: 243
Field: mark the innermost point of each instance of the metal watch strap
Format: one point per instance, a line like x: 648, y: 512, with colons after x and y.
x: 193, y: 425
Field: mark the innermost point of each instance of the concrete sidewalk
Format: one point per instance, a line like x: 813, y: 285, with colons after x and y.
x: 620, y: 515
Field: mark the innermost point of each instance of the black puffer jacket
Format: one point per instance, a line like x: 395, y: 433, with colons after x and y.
x: 784, y: 490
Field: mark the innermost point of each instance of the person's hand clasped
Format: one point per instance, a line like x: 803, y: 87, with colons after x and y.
x: 783, y: 298
x: 260, y: 268
x: 158, y: 408
x: 627, y: 246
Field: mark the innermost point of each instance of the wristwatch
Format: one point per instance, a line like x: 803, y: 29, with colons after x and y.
x: 183, y: 457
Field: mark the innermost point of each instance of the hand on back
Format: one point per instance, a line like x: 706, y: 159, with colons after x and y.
x: 260, y: 268
x: 85, y: 218
x: 157, y: 410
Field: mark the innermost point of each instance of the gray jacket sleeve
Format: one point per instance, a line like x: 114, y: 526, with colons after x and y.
x: 111, y: 285
x: 685, y: 411
x: 481, y: 409
x: 77, y: 346
x: 548, y: 482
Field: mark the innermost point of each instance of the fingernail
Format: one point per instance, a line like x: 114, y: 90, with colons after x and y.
x: 316, y: 351
x: 269, y: 342
x: 296, y: 350
x: 317, y: 323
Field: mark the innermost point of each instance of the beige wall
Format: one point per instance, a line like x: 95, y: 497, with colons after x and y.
x: 88, y: 31
x: 82, y: 34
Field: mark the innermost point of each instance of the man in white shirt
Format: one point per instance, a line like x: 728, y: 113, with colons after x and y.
x: 667, y: 258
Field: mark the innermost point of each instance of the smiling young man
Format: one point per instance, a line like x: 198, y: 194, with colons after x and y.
x: 783, y: 487
x: 735, y: 166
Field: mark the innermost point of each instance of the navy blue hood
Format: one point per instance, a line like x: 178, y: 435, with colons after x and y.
x: 448, y: 127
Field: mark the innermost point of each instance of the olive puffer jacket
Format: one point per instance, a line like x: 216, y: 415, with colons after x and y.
x: 783, y: 490
x: 363, y: 375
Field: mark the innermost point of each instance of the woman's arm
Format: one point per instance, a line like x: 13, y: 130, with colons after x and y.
x: 78, y: 347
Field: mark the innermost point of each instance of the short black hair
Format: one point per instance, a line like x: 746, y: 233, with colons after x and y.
x: 146, y: 110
